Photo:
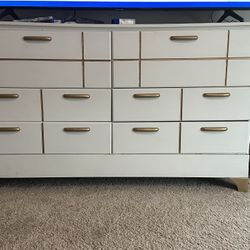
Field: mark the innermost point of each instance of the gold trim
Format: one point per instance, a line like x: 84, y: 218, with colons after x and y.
x: 216, y: 94
x: 9, y: 96
x: 147, y: 95
x: 214, y: 129
x: 146, y: 129
x: 240, y: 183
x: 9, y: 129
x: 76, y: 96
x: 38, y: 38
x: 77, y: 129
x: 184, y: 38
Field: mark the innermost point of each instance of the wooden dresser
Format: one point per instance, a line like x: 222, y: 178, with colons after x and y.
x: 125, y: 101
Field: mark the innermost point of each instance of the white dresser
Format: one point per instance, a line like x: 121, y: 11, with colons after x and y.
x: 125, y: 101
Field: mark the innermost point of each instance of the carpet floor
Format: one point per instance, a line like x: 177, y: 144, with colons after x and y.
x: 122, y: 213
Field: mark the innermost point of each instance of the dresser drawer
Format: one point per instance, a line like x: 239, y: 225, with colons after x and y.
x: 238, y: 73
x: 77, y: 138
x: 216, y: 104
x: 184, y: 44
x: 215, y: 137
x: 37, y: 74
x: 146, y: 104
x: 145, y: 138
x: 183, y: 73
x: 239, y: 43
x: 20, y: 138
x: 40, y: 45
x: 77, y: 105
x: 20, y: 105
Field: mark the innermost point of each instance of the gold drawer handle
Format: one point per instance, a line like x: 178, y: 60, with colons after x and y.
x: 146, y: 129
x: 75, y: 129
x: 9, y: 96
x: 9, y: 129
x: 216, y: 94
x: 38, y: 38
x: 77, y: 96
x: 214, y: 129
x: 147, y: 95
x: 183, y: 38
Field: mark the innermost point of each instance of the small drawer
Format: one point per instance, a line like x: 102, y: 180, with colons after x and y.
x: 178, y: 73
x: 20, y: 138
x: 238, y: 73
x: 97, y: 74
x: 215, y: 137
x: 77, y: 105
x: 20, y: 105
x: 239, y: 43
x: 77, y: 138
x: 97, y: 45
x: 126, y: 74
x: 146, y: 104
x: 149, y: 138
x: 184, y: 44
x: 38, y: 74
x: 216, y: 104
x: 126, y: 44
x: 40, y: 45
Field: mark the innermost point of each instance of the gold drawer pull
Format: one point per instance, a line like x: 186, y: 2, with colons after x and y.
x: 77, y: 96
x: 9, y: 129
x: 147, y: 95
x: 9, y: 96
x: 216, y: 94
x: 75, y: 129
x: 214, y: 129
x: 146, y: 129
x: 183, y: 38
x: 38, y: 38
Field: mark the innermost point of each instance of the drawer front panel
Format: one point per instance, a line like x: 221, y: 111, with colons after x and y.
x: 97, y: 74
x: 239, y: 43
x: 77, y: 105
x: 36, y: 74
x: 40, y: 45
x: 216, y: 104
x: 217, y: 137
x: 183, y: 73
x: 20, y: 138
x: 97, y: 45
x: 146, y: 104
x: 184, y: 44
x: 126, y: 44
x: 238, y: 73
x: 79, y: 138
x: 135, y: 138
x: 20, y: 105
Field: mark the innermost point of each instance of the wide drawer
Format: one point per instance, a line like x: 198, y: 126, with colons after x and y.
x: 145, y: 138
x: 20, y: 138
x: 146, y: 104
x: 36, y: 74
x: 183, y: 44
x: 238, y: 73
x: 215, y: 137
x: 183, y: 73
x: 77, y: 137
x: 40, y: 45
x: 239, y: 43
x: 77, y: 105
x: 20, y: 105
x: 216, y: 104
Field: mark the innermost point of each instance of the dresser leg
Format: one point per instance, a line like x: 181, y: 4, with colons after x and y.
x: 240, y: 183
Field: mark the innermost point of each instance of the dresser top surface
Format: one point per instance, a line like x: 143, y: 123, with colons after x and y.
x: 73, y: 26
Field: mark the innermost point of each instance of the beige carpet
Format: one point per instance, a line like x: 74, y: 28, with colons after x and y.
x: 123, y: 214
